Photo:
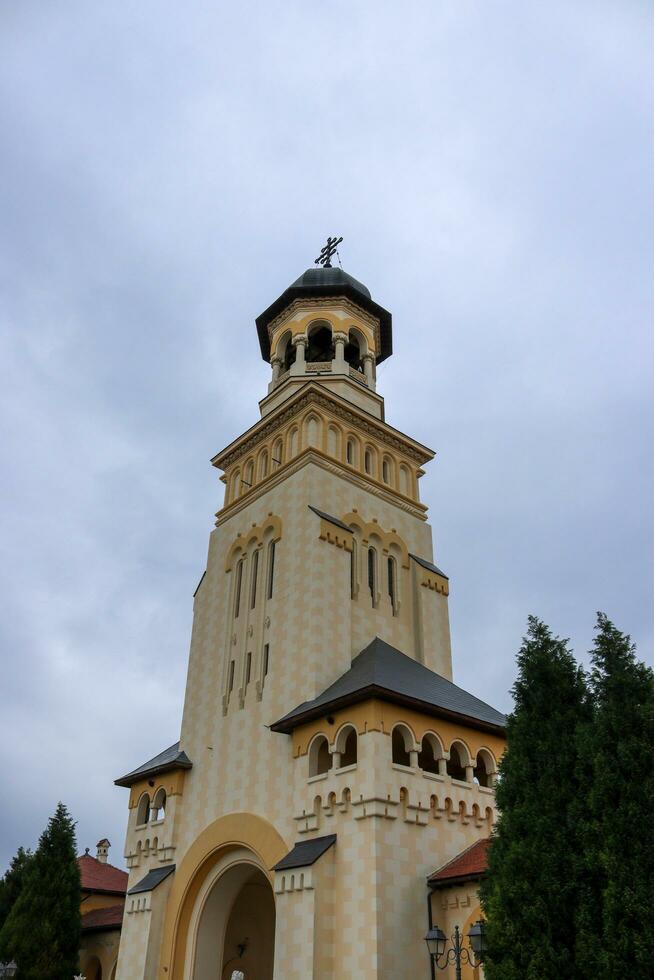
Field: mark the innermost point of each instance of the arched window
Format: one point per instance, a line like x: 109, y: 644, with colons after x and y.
x: 367, y: 461
x: 353, y: 352
x: 271, y: 569
x: 263, y: 464
x: 277, y: 453
x: 401, y: 745
x: 248, y: 476
x: 253, y: 581
x: 143, y: 812
x: 372, y: 574
x: 456, y: 768
x: 391, y: 567
x: 287, y: 350
x: 430, y: 753
x: 321, y: 345
x: 353, y: 569
x: 248, y: 668
x: 293, y: 440
x: 484, y: 769
x: 159, y: 805
x: 346, y: 745
x: 405, y: 480
x: 320, y: 759
x: 236, y: 485
x: 333, y: 441
x: 350, y: 452
x: 238, y: 586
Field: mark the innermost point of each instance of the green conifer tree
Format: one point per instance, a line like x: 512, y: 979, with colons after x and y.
x: 42, y: 930
x: 11, y: 884
x: 528, y: 895
x: 615, y: 931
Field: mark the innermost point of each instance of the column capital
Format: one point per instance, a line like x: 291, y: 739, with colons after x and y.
x: 300, y: 339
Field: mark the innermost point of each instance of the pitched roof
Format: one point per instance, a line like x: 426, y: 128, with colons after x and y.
x: 96, y: 876
x: 471, y: 863
x: 99, y: 920
x: 331, y: 519
x: 152, y: 879
x: 305, y: 853
x: 170, y: 758
x: 429, y: 565
x: 381, y: 671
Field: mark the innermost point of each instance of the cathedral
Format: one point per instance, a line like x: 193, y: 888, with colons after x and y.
x: 331, y: 792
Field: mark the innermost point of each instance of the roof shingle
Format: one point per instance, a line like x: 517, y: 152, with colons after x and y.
x: 471, y: 863
x: 97, y: 920
x: 99, y: 877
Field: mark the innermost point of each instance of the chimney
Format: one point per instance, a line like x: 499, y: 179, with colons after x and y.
x: 103, y: 850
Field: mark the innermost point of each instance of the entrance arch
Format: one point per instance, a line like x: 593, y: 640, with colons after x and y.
x: 233, y: 923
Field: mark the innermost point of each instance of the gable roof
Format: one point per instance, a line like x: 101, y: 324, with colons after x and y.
x: 381, y: 671
x: 170, y: 758
x: 102, y: 920
x: 97, y: 876
x: 471, y: 863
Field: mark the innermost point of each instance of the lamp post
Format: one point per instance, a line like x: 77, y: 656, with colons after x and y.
x: 8, y: 969
x: 457, y: 953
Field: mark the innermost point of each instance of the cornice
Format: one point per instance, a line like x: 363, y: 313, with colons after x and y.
x: 311, y: 394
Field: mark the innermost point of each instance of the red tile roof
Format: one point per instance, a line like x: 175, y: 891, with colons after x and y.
x: 98, y: 919
x: 471, y: 863
x: 99, y: 877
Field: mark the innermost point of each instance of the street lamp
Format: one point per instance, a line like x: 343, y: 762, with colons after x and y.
x: 441, y: 956
x: 8, y: 969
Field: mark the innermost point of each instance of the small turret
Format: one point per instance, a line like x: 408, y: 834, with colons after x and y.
x: 102, y: 853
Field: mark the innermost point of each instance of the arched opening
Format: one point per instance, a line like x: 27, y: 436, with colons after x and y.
x: 286, y: 350
x: 159, y: 805
x: 263, y: 464
x: 320, y: 345
x: 143, y: 811
x: 484, y: 769
x: 277, y: 453
x: 430, y: 753
x: 93, y: 969
x: 391, y: 567
x: 320, y: 759
x: 372, y: 574
x: 353, y: 351
x: 347, y: 746
x: 236, y: 927
x: 386, y: 470
x: 456, y: 767
x: 367, y: 461
x: 401, y: 745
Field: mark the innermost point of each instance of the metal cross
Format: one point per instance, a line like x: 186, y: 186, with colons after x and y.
x: 325, y: 257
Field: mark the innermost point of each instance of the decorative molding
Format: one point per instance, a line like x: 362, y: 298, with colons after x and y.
x: 316, y: 303
x: 335, y: 535
x: 313, y: 455
x: 271, y: 424
x: 295, y: 880
x: 435, y: 582
x: 255, y: 534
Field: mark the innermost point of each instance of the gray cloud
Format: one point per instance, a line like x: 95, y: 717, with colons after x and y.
x: 167, y: 171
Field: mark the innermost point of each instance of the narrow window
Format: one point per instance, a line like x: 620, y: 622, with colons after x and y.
x: 230, y: 685
x: 391, y: 583
x: 353, y: 571
x: 367, y: 461
x: 271, y: 568
x: 372, y: 561
x: 386, y: 471
x: 349, y: 452
x: 266, y: 657
x: 255, y: 569
x: 248, y: 668
x: 239, y: 581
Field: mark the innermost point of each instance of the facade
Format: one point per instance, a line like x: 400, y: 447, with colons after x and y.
x: 103, y: 905
x: 326, y: 764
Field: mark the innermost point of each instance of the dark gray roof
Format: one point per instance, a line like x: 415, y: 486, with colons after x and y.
x: 170, y: 758
x: 381, y: 671
x: 152, y: 879
x: 327, y: 282
x: 197, y: 587
x: 332, y: 520
x: 305, y: 853
x: 429, y: 566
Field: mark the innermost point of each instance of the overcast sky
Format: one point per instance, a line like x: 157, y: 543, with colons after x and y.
x: 167, y: 170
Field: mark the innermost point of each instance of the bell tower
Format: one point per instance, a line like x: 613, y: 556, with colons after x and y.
x: 327, y: 763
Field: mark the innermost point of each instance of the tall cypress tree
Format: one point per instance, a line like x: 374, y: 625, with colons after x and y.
x: 528, y: 895
x: 11, y: 884
x: 42, y: 931
x: 614, y: 922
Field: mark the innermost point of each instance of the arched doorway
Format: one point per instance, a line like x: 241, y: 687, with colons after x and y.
x: 236, y: 926
x: 93, y: 969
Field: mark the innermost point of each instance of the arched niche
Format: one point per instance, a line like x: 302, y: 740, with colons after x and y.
x: 320, y: 343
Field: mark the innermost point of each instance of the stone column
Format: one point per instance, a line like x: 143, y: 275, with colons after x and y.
x: 413, y: 758
x: 442, y: 767
x: 368, y: 369
x: 338, y: 364
x: 470, y: 772
x: 299, y: 367
x: 276, y: 368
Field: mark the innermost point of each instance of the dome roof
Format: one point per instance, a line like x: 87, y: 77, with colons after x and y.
x: 334, y: 278
x: 318, y: 282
